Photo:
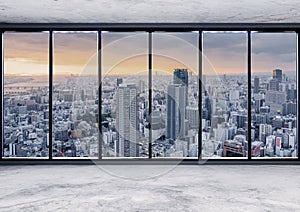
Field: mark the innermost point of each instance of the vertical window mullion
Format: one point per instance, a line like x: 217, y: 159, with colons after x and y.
x: 99, y: 62
x: 150, y: 92
x: 200, y: 86
x: 50, y: 137
x: 249, y: 93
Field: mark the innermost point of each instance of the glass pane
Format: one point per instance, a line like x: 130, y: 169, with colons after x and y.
x: 274, y: 95
x: 224, y: 96
x: 175, y: 116
x: 75, y: 95
x: 26, y: 95
x: 125, y: 106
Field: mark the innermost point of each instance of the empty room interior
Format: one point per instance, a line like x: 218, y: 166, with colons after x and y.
x: 149, y: 105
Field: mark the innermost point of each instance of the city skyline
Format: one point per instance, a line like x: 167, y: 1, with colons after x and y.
x: 153, y: 72
x: 277, y: 75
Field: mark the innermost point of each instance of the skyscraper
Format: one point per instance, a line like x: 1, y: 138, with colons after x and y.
x: 277, y: 74
x: 203, y: 82
x: 256, y: 84
x: 176, y: 104
x: 181, y: 77
x: 192, y: 116
x: 119, y: 81
x: 274, y: 85
x: 127, y: 121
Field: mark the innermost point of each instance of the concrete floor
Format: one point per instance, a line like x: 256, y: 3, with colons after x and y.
x: 149, y: 188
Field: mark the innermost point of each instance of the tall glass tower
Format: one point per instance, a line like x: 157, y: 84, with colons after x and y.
x: 126, y: 121
x: 176, y: 112
x: 181, y: 76
x: 277, y: 74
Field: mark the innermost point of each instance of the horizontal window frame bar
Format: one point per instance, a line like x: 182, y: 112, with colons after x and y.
x: 151, y: 159
x: 177, y: 27
x: 148, y: 161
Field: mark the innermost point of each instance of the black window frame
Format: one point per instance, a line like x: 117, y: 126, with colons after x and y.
x: 149, y: 28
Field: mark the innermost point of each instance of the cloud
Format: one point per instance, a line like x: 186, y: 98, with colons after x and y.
x: 173, y: 50
x: 274, y: 43
x: 124, y: 53
x: 27, y: 46
x: 74, y: 49
x: 222, y: 41
x: 125, y: 41
x: 76, y: 41
x: 228, y: 51
x: 274, y: 50
x: 225, y: 52
x: 167, y: 41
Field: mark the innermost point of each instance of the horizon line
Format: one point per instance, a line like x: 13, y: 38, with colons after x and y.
x: 128, y: 75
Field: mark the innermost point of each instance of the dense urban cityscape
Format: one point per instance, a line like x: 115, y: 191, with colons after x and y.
x: 26, y: 117
x: 75, y: 117
x: 175, y: 118
x: 273, y: 115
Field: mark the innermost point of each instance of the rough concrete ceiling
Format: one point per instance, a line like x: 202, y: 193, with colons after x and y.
x: 91, y: 11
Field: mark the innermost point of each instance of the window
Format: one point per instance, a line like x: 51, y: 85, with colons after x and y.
x: 26, y: 95
x: 125, y: 105
x: 75, y: 99
x: 175, y: 116
x: 224, y: 95
x: 274, y: 95
x: 110, y: 93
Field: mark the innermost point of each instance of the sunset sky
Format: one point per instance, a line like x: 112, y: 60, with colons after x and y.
x: 126, y: 53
